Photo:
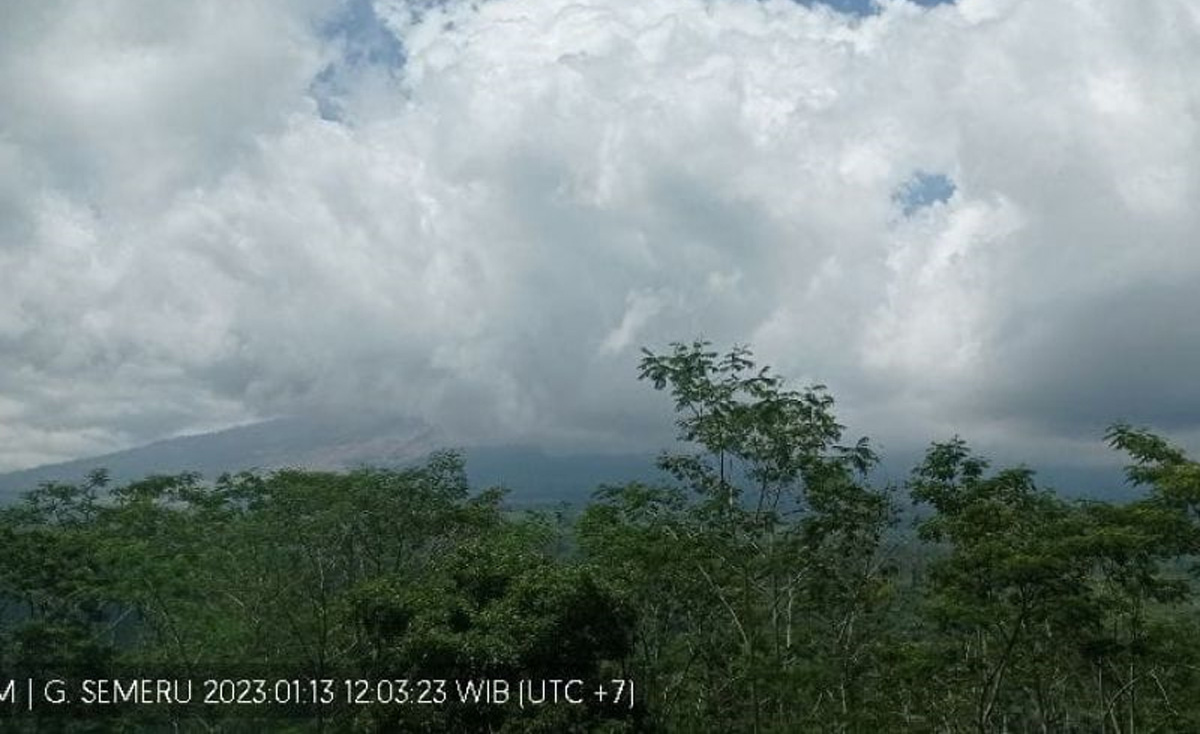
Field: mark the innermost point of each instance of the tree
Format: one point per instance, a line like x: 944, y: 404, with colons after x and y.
x: 1047, y: 614
x: 766, y: 544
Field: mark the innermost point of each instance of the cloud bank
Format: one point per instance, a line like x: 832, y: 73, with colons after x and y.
x: 977, y: 217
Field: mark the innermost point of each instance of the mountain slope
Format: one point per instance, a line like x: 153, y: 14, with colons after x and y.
x: 532, y: 475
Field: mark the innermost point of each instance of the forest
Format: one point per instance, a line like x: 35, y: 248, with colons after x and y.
x: 762, y: 584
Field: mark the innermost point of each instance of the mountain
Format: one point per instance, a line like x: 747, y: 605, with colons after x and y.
x: 532, y: 475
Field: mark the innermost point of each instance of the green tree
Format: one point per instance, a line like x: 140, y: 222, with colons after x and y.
x: 758, y: 569
x: 1048, y: 615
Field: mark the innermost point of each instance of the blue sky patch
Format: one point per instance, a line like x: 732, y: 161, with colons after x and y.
x: 923, y: 189
x: 365, y: 41
x: 867, y: 7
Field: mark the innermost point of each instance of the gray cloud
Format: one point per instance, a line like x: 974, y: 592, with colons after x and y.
x: 213, y: 217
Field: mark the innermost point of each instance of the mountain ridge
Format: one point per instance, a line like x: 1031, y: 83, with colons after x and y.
x: 531, y: 474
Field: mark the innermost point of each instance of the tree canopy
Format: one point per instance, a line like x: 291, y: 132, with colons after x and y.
x: 762, y: 583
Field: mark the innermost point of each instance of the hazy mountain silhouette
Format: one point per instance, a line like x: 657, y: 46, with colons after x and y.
x: 532, y: 475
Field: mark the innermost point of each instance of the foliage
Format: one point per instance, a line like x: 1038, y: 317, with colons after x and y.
x: 761, y: 557
x: 762, y: 585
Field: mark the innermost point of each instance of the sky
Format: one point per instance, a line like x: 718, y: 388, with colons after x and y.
x: 974, y: 217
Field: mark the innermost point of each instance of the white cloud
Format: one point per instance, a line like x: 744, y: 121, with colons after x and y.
x: 483, y: 237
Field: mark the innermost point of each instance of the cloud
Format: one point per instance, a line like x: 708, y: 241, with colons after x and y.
x: 477, y: 213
